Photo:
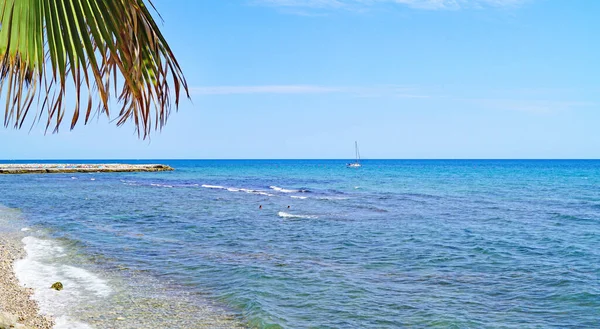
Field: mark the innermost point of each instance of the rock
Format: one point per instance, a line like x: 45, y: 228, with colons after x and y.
x: 37, y: 168
x: 57, y: 286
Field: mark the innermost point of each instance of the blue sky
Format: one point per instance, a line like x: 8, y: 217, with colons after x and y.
x: 406, y: 78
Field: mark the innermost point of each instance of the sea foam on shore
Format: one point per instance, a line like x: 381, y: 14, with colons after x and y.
x: 92, y: 296
x: 17, y: 309
x: 42, y: 266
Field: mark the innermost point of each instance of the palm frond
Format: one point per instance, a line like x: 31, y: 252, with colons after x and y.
x: 55, y: 51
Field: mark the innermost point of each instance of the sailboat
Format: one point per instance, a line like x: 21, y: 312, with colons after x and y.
x: 355, y: 164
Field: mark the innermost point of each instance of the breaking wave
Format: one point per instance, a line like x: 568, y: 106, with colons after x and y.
x: 288, y: 215
x: 283, y: 190
x: 236, y: 189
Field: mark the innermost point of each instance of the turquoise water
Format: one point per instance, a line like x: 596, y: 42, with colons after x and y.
x: 447, y: 244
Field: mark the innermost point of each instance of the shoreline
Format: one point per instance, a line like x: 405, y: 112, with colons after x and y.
x: 17, y: 308
x: 57, y: 168
x: 128, y: 305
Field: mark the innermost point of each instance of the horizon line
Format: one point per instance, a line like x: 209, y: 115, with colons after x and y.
x: 304, y: 159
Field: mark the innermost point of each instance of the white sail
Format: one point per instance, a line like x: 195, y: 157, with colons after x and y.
x: 356, y: 164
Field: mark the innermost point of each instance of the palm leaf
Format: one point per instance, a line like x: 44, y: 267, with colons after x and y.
x: 52, y: 51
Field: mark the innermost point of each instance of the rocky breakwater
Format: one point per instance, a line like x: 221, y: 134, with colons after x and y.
x: 48, y: 168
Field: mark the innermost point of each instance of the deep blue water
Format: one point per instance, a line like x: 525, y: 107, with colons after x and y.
x: 396, y: 243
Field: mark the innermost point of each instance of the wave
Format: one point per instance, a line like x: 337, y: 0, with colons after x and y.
x: 255, y: 192
x: 235, y: 189
x: 288, y: 215
x: 160, y: 185
x: 44, y: 265
x: 283, y: 190
x: 298, y: 197
x: 171, y: 185
x: 213, y: 186
x: 65, y: 322
x: 280, y: 189
x: 372, y: 208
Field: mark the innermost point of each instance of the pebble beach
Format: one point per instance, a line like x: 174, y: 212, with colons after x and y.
x: 17, y: 309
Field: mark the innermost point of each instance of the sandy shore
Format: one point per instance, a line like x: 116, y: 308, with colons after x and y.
x: 49, y: 168
x: 17, y: 309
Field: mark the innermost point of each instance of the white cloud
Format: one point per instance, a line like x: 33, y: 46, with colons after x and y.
x: 455, y: 4
x: 305, y: 3
x: 270, y: 89
x: 373, y: 91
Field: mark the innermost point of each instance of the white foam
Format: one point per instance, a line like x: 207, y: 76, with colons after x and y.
x: 44, y: 265
x: 213, y: 186
x: 90, y: 281
x: 25, y: 229
x: 298, y: 197
x: 288, y: 215
x: 92, y: 179
x: 235, y: 189
x: 260, y: 193
x: 255, y: 192
x: 161, y: 185
x: 280, y: 189
x: 65, y: 322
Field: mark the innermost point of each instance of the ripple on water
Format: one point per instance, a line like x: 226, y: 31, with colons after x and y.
x: 420, y: 244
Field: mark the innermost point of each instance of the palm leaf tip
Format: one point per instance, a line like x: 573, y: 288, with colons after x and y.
x: 55, y: 51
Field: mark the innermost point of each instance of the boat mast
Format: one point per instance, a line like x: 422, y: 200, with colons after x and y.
x: 356, y: 149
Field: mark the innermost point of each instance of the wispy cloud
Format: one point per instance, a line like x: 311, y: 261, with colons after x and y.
x: 269, y: 89
x: 456, y: 4
x: 532, y: 100
x: 365, y: 4
x: 305, y: 3
x: 374, y: 91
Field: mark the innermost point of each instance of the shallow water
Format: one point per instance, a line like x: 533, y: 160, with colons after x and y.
x: 392, y: 244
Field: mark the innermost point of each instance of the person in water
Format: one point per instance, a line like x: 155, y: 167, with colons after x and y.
x: 260, y: 206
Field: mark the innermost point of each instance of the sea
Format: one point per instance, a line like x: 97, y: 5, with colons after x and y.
x: 313, y: 244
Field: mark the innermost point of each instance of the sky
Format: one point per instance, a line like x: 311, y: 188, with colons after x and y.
x: 407, y: 79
